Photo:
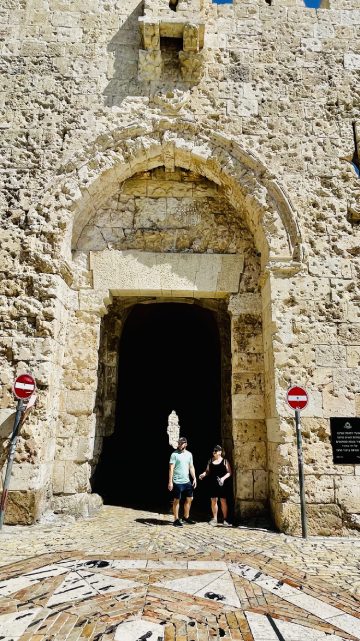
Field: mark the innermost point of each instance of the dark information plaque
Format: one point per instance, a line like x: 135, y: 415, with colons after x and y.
x: 345, y: 440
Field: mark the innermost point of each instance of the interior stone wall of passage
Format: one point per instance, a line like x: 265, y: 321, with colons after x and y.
x: 107, y: 391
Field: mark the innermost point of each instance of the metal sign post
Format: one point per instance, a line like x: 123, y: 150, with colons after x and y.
x: 24, y: 388
x: 19, y: 411
x: 297, y: 398
x: 301, y: 474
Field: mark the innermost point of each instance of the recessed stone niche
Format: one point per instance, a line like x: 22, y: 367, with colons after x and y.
x: 158, y: 26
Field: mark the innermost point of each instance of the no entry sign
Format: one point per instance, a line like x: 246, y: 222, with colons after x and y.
x: 24, y: 386
x: 297, y: 398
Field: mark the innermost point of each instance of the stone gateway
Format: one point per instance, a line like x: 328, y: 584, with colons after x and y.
x: 180, y: 231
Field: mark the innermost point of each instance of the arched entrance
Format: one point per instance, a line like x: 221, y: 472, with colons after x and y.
x: 169, y: 359
x: 182, y: 217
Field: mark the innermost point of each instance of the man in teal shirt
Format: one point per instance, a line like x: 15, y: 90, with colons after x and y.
x: 180, y: 468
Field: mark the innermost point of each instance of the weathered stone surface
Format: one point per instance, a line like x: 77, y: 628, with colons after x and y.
x: 215, y: 139
x: 77, y: 505
x: 24, y: 507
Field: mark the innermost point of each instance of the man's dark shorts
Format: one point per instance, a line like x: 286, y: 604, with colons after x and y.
x: 182, y: 490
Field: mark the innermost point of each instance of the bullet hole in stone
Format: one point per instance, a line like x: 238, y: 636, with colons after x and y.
x: 192, y: 623
x: 221, y: 632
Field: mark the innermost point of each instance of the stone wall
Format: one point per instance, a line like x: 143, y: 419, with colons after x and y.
x: 267, y: 120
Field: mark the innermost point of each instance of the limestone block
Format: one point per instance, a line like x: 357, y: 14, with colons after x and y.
x: 244, y: 360
x: 283, y: 488
x: 245, y: 304
x: 79, y: 505
x: 352, y: 61
x: 248, y: 406
x: 313, y: 333
x: 80, y: 379
x: 77, y: 477
x: 349, y: 334
x: 353, y: 315
x: 24, y: 507
x: 282, y: 458
x: 150, y: 212
x: 94, y: 301
x: 27, y: 476
x: 58, y: 481
x: 244, y: 484
x: 336, y: 403
x: 248, y: 430
x: 347, y: 493
x: 133, y: 272
x: 347, y: 380
x: 78, y: 402
x: 86, y: 425
x: 353, y: 356
x: 330, y: 355
x: 322, y: 519
x: 261, y: 490
x: 247, y: 342
x: 280, y: 430
x: 66, y: 426
x: 243, y: 107
x: 300, y: 288
x: 171, y: 190
x: 319, y: 489
x: 247, y: 383
x: 252, y: 456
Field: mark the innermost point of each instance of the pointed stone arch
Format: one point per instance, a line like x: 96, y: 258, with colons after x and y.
x: 96, y: 172
x: 84, y: 186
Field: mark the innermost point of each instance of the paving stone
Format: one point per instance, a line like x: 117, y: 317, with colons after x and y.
x: 163, y: 585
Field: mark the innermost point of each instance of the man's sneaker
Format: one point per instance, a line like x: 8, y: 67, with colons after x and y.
x: 177, y: 523
x: 189, y: 521
x: 213, y: 522
x: 227, y: 524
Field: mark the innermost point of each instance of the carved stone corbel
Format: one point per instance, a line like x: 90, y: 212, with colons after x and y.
x: 191, y: 65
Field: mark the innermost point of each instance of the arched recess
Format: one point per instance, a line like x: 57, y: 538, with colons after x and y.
x: 90, y: 179
x: 95, y: 173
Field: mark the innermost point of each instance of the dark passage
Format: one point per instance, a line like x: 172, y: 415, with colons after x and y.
x: 169, y: 359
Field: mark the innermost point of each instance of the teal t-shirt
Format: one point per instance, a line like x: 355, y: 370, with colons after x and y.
x: 181, y: 461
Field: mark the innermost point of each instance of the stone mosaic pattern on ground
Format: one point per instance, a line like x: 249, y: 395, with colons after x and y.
x: 253, y: 598
x: 237, y: 135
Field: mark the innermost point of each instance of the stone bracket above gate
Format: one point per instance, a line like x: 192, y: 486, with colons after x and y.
x: 183, y: 22
x: 135, y: 273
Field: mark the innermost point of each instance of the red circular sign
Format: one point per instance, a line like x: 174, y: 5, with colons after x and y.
x: 297, y: 397
x: 24, y: 386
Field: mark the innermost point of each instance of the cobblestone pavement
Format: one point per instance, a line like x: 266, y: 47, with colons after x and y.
x: 129, y: 575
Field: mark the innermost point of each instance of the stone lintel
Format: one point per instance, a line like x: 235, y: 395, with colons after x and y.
x: 169, y: 28
x: 135, y: 273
